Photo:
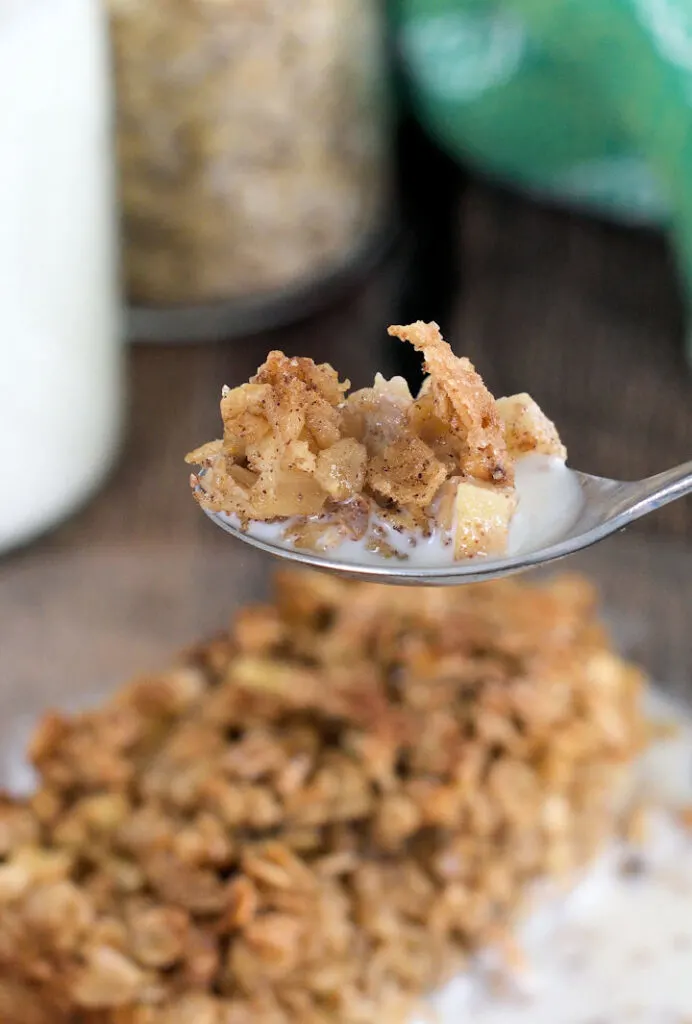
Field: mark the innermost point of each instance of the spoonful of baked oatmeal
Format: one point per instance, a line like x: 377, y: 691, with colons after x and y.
x: 445, y: 487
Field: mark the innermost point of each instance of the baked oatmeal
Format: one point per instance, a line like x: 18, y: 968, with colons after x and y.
x: 378, y: 467
x: 314, y: 818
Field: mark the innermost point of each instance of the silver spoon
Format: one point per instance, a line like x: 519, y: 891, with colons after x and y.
x: 607, y: 506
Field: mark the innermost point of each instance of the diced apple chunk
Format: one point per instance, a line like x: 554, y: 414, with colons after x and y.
x: 483, y: 513
x: 292, y: 493
x: 340, y: 469
x: 527, y: 428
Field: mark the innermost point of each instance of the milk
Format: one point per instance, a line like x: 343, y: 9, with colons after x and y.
x: 549, y: 499
x: 60, y: 352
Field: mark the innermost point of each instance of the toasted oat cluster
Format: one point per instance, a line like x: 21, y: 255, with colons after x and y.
x: 376, y: 462
x: 316, y: 817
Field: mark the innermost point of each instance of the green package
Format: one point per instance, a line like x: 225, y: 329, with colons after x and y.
x: 588, y: 102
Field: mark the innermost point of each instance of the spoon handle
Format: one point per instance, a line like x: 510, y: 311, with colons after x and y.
x: 655, y: 491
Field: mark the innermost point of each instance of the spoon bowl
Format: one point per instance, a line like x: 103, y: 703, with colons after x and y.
x: 606, y: 507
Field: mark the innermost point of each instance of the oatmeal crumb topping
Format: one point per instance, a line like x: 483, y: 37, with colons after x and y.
x: 316, y: 816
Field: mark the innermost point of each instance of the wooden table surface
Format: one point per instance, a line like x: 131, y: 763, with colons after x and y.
x: 584, y: 316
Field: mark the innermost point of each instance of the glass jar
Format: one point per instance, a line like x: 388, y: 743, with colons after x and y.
x: 254, y: 156
x: 60, y: 344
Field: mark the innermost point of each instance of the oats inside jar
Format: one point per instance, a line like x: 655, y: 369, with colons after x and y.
x: 377, y: 471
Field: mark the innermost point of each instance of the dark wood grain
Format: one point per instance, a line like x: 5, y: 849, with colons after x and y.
x: 584, y: 316
x: 431, y: 276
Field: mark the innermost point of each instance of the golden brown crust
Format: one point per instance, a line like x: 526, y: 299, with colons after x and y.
x: 316, y: 817
x: 462, y: 402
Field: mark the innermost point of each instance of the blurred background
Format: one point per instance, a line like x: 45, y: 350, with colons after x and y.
x: 184, y: 186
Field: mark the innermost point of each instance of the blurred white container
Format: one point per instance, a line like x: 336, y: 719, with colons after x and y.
x: 60, y: 337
